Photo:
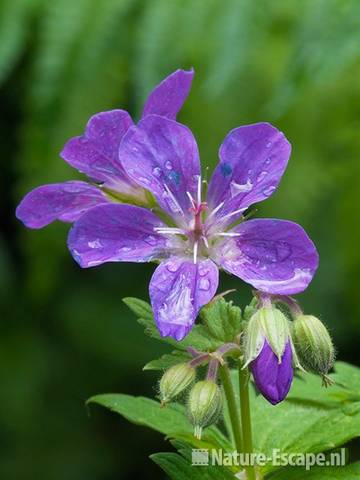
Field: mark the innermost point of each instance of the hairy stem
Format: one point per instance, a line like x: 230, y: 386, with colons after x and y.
x: 232, y: 406
x: 245, y: 417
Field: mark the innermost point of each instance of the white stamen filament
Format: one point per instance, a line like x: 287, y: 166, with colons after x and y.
x: 199, y: 190
x: 205, y: 240
x: 175, y: 202
x: 191, y: 199
x: 216, y: 209
x: 170, y: 231
x: 226, y: 234
x: 196, y: 245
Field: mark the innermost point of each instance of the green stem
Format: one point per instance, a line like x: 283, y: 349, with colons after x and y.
x: 232, y: 406
x: 245, y: 417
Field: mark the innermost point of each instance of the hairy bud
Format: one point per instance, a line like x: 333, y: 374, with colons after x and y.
x: 313, y: 344
x: 204, y: 405
x: 175, y: 380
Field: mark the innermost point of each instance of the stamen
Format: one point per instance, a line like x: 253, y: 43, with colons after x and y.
x: 169, y: 231
x: 235, y: 212
x: 191, y: 200
x: 216, y: 209
x: 196, y: 245
x: 199, y: 190
x: 226, y: 234
x: 173, y: 199
x: 205, y: 240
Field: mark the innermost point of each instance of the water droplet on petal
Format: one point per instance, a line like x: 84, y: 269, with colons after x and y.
x: 172, y: 267
x: 261, y: 176
x: 144, y: 180
x: 268, y: 145
x: 168, y: 165
x: 203, y: 272
x: 204, y: 284
x: 125, y: 249
x: 151, y: 240
x: 269, y: 190
x: 157, y: 171
x: 268, y: 161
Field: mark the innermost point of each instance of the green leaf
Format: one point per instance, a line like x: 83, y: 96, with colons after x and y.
x: 349, y: 472
x: 168, y: 360
x: 223, y: 319
x: 199, y: 337
x: 312, y: 419
x: 179, y: 466
x: 171, y: 420
x: 139, y: 307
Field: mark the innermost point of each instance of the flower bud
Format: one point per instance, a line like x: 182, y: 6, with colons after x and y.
x: 267, y: 323
x: 204, y: 405
x: 269, y: 352
x: 313, y: 344
x: 175, y: 380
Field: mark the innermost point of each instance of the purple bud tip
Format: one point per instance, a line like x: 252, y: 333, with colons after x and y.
x: 272, y: 378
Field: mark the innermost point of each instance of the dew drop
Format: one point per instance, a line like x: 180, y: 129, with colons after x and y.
x: 151, y: 240
x: 204, y: 284
x: 125, y: 249
x: 172, y: 267
x: 268, y: 161
x: 157, y: 171
x: 261, y: 176
x: 203, y: 272
x: 269, y: 190
x: 268, y: 145
x: 168, y: 165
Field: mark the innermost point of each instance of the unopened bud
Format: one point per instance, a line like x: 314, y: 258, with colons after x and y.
x: 270, y: 324
x: 175, y: 380
x: 204, y: 405
x: 313, y: 345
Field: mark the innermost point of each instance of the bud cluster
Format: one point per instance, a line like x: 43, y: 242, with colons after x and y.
x: 276, y: 343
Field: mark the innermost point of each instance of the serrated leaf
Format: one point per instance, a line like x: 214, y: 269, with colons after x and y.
x: 168, y: 360
x: 223, y: 319
x: 349, y: 472
x: 171, y: 420
x: 312, y: 419
x: 139, y: 307
x: 199, y: 337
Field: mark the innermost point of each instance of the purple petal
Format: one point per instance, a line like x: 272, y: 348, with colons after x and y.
x: 161, y: 155
x: 169, y: 96
x: 116, y: 233
x: 274, y: 256
x: 253, y: 159
x: 66, y: 201
x: 273, y: 379
x: 178, y: 289
x: 96, y: 153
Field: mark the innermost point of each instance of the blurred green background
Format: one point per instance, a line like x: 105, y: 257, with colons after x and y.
x: 65, y: 334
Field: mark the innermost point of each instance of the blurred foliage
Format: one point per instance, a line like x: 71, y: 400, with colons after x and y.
x: 65, y: 333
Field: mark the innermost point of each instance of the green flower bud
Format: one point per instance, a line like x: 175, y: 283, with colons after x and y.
x: 204, y: 405
x: 175, y: 380
x: 313, y: 344
x: 266, y: 323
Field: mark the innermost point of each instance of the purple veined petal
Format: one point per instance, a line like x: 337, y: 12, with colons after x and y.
x: 178, y: 289
x: 96, y: 153
x: 253, y: 159
x: 168, y: 97
x: 66, y: 201
x: 275, y: 256
x: 272, y: 378
x: 161, y: 155
x: 116, y: 233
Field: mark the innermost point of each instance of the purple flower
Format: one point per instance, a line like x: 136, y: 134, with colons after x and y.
x: 96, y: 153
x: 272, y: 378
x: 193, y: 238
